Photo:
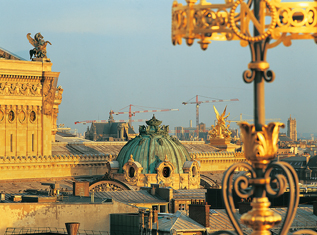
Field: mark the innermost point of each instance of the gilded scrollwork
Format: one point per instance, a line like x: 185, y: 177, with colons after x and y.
x: 206, y: 22
x: 165, y: 172
x: 132, y: 171
x: 260, y: 146
x: 193, y: 174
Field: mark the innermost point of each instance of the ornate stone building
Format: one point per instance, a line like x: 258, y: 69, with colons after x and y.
x: 110, y: 131
x: 153, y: 157
x: 29, y: 106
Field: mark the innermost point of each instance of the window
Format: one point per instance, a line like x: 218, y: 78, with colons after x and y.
x: 166, y: 172
x: 181, y: 207
x: 162, y: 209
x: 131, y: 172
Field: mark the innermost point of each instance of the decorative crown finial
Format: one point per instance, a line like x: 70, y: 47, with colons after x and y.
x: 153, y: 121
x: 260, y: 146
x: 131, y: 158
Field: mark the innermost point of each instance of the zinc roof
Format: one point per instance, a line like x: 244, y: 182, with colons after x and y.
x: 178, y: 222
x: 198, y: 146
x: 304, y: 219
x: 102, y: 148
x: 130, y: 196
x: 196, y: 194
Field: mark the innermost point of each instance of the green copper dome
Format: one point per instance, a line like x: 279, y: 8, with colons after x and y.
x: 150, y: 147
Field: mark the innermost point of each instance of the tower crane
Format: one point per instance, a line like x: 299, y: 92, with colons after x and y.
x: 197, y: 102
x: 132, y: 113
x: 252, y: 120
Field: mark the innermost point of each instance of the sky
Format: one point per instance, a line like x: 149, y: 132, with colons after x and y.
x: 114, y: 53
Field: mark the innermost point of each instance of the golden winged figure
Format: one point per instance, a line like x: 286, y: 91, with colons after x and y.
x: 220, y: 130
x: 39, y: 50
x: 221, y: 118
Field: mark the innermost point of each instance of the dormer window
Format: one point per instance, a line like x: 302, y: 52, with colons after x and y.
x: 166, y: 172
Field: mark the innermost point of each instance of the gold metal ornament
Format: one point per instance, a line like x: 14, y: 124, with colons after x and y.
x: 260, y: 147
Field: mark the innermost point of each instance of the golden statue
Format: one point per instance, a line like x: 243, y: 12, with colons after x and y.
x: 220, y: 130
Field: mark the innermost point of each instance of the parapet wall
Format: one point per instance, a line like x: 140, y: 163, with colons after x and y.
x: 218, y: 161
x: 52, y: 166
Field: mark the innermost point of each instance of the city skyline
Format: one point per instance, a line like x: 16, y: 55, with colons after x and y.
x: 112, y: 54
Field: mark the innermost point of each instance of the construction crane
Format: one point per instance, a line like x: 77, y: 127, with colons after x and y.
x: 197, y: 102
x: 252, y: 120
x: 106, y: 121
x: 132, y: 113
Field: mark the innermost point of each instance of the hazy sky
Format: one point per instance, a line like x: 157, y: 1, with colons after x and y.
x: 115, y: 53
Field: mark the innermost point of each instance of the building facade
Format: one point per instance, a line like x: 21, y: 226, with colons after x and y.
x: 291, y: 128
x: 29, y: 106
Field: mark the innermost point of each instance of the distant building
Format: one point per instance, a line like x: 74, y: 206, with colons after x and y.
x: 291, y: 129
x: 110, y: 131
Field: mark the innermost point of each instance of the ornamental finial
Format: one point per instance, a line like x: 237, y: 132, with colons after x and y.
x: 260, y: 147
x: 131, y: 158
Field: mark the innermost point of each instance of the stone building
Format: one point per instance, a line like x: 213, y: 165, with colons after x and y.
x: 110, y: 131
x: 291, y: 128
x: 153, y: 157
x: 29, y: 106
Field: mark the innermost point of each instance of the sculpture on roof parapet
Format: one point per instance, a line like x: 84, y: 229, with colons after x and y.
x: 153, y: 127
x: 39, y: 50
x: 220, y: 130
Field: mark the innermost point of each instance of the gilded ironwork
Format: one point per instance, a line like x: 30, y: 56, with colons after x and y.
x: 288, y: 21
x: 207, y: 22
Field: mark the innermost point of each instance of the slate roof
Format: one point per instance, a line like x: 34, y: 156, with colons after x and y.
x: 304, y: 218
x: 198, y: 146
x: 76, y: 145
x: 103, y: 148
x: 130, y: 196
x: 178, y: 222
x: 285, y: 138
x: 195, y: 194
x: 312, y: 162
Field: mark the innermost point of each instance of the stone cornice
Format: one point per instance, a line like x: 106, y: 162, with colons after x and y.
x: 211, y: 155
x: 53, y: 161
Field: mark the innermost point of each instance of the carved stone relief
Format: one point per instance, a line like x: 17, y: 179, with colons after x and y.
x: 19, y: 88
x: 48, y: 96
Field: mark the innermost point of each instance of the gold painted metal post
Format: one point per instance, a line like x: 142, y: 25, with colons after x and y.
x: 288, y: 21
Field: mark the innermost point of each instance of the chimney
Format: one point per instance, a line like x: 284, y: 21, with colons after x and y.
x: 150, y: 219
x: 154, y: 188
x: 3, y: 196
x: 199, y: 211
x: 141, y: 214
x: 72, y: 228
x: 315, y: 208
x: 81, y: 189
x: 155, y: 216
